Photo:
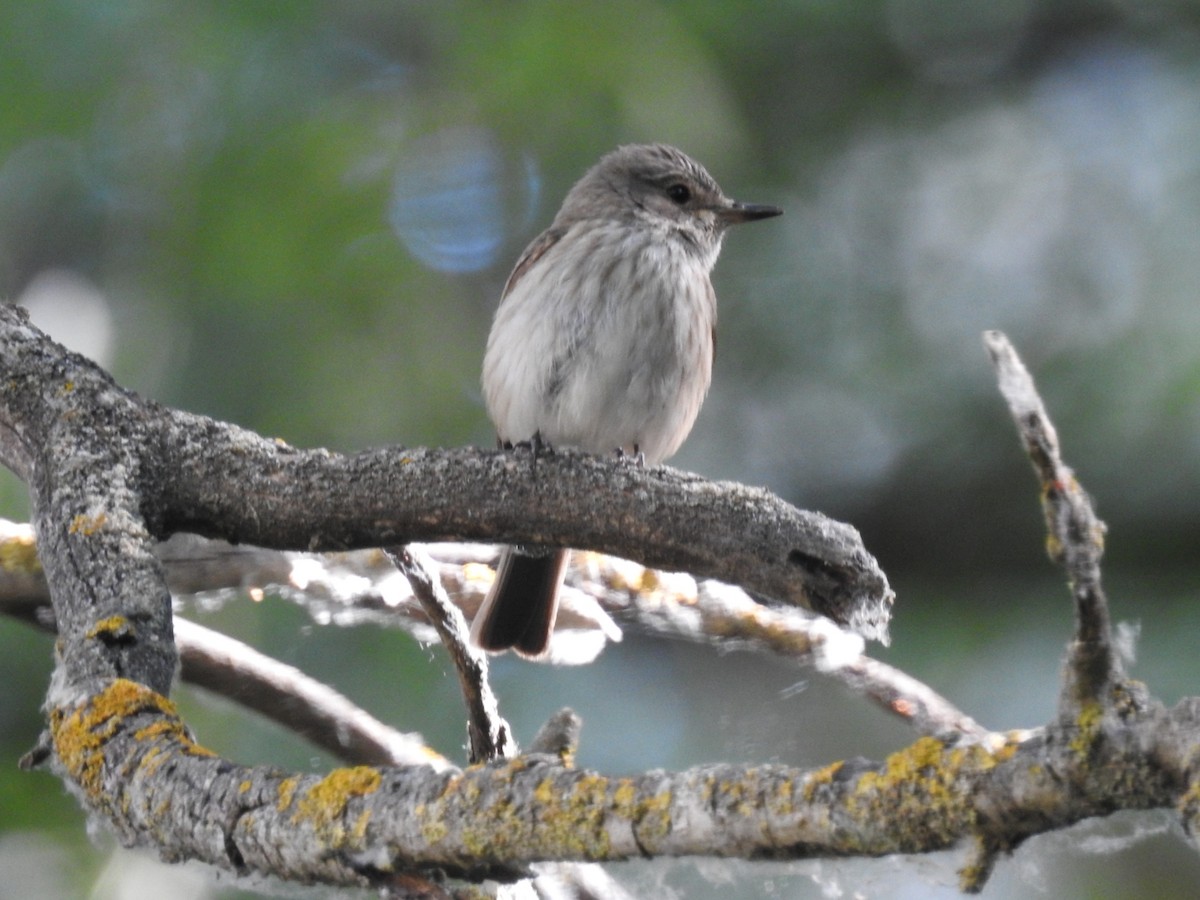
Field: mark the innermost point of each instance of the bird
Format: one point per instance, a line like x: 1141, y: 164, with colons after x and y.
x: 603, y: 341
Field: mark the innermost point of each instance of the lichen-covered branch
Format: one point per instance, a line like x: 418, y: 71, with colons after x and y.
x: 362, y: 825
x: 355, y: 825
x: 1097, y: 700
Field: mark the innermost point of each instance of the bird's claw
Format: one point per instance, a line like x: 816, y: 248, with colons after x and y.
x: 636, y: 459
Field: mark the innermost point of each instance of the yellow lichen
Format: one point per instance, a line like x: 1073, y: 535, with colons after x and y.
x: 973, y: 875
x: 112, y: 627
x: 919, y: 760
x: 1005, y: 752
x: 566, y: 757
x: 432, y: 830
x: 156, y: 729
x: 921, y: 785
x: 358, y: 831
x: 1189, y: 807
x: 1054, y: 548
x: 649, y: 581
x: 737, y: 793
x: 817, y: 779
x: 654, y: 819
x: 544, y: 793
x: 500, y: 829
x: 87, y: 525
x: 575, y: 818
x: 287, y: 791
x: 324, y: 804
x: 650, y: 814
x: 782, y: 801
x: 624, y: 797
x: 81, y: 735
x: 922, y: 772
x: 152, y: 761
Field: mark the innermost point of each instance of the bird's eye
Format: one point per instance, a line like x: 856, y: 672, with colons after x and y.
x: 679, y: 193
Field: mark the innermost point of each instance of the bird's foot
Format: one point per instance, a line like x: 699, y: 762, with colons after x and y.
x: 535, y: 445
x: 636, y: 459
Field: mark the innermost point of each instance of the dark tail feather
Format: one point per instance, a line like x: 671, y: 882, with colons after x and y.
x: 519, y: 610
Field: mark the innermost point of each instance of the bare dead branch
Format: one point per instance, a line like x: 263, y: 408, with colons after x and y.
x: 725, y: 615
x: 286, y: 695
x: 489, y: 736
x: 1075, y: 536
x: 663, y: 604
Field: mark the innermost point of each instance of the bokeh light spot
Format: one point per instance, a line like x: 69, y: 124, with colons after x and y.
x: 455, y: 194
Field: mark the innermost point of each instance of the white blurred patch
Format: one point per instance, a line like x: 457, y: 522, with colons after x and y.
x: 1126, y: 640
x: 132, y: 875
x: 834, y: 647
x: 73, y: 311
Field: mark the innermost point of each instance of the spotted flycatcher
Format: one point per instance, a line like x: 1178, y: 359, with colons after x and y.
x: 604, y: 341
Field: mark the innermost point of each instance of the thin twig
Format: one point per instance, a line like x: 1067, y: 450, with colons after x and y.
x: 914, y: 701
x: 1075, y: 536
x: 286, y: 695
x: 489, y: 736
x: 281, y: 693
x: 723, y: 613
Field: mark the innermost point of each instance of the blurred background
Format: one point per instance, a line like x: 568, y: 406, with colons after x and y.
x: 298, y: 216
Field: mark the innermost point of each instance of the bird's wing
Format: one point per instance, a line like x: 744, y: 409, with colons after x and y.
x: 532, y: 254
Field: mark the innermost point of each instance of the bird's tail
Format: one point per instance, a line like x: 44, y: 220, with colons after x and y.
x: 519, y: 610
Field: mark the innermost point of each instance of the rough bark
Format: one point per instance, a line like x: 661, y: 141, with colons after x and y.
x: 152, y: 472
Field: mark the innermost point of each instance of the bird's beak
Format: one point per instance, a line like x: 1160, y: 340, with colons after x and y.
x: 734, y: 213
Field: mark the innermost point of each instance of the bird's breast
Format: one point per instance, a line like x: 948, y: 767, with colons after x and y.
x: 606, y: 345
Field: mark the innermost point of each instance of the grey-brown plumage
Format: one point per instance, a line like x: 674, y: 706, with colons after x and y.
x: 604, y: 340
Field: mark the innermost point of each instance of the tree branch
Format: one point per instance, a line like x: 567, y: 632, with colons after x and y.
x: 1075, y: 535
x: 285, y: 694
x: 357, y: 826
x: 164, y: 471
x: 720, y: 614
x: 489, y: 736
x: 110, y: 473
x: 358, y: 585
x: 228, y: 667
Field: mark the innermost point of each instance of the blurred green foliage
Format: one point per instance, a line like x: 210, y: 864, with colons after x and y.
x: 298, y: 216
